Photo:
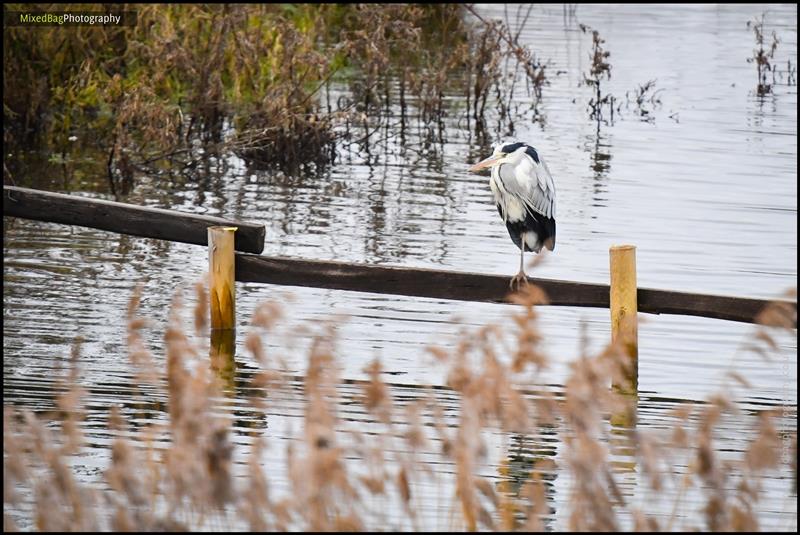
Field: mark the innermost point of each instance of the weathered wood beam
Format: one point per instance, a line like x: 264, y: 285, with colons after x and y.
x: 125, y: 218
x: 417, y: 282
x: 191, y: 228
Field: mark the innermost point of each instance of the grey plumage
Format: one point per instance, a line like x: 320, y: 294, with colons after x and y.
x: 525, y: 195
x: 529, y: 181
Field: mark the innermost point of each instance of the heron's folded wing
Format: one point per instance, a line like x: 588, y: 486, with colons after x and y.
x: 532, y: 183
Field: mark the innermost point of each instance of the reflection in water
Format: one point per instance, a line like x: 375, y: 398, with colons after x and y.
x: 377, y: 216
x: 531, y: 458
x: 222, y: 354
x: 599, y: 148
x: 621, y: 445
x: 600, y: 157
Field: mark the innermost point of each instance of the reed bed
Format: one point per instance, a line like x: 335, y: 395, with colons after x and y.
x: 375, y: 473
x: 192, y: 80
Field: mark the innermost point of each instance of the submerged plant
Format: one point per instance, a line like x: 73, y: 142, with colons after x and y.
x: 646, y: 99
x: 763, y: 57
x: 599, y: 69
x: 498, y: 63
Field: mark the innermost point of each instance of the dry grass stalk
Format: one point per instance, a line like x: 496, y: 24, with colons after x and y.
x: 191, y: 483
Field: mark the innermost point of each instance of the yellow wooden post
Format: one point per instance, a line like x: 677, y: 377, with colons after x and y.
x: 624, y: 322
x: 222, y: 290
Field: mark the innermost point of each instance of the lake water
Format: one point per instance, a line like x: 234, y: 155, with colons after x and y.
x: 706, y: 190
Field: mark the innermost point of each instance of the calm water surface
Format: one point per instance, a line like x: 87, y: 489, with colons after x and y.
x: 707, y: 191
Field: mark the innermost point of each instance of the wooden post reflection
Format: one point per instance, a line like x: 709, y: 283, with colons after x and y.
x: 222, y: 301
x: 222, y: 353
x: 527, y: 475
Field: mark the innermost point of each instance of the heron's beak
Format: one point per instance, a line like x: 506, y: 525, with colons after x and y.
x: 488, y: 162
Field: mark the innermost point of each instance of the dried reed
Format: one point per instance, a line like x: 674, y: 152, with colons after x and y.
x: 345, y: 477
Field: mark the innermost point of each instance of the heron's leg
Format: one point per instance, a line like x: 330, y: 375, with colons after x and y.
x: 520, y: 277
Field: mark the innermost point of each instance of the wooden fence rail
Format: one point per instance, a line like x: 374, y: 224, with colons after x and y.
x: 125, y: 218
x: 190, y: 228
x: 461, y: 286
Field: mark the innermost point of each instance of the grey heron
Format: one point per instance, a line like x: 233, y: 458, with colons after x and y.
x: 525, y: 195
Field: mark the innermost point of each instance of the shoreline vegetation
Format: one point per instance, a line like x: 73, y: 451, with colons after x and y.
x: 290, y: 86
x: 253, y: 79
x: 179, y: 473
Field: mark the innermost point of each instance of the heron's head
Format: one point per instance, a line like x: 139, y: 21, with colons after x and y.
x: 503, y: 153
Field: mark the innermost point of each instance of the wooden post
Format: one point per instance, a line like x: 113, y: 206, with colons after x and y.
x: 222, y: 290
x: 624, y: 322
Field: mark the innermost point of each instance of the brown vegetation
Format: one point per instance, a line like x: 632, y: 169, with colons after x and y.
x: 763, y: 57
x: 192, y: 80
x: 189, y: 481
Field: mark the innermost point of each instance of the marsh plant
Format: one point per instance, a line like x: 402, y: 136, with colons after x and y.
x: 599, y: 70
x: 764, y: 57
x: 502, y: 63
x: 263, y: 81
x: 646, y: 99
x: 643, y: 100
x: 345, y: 474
